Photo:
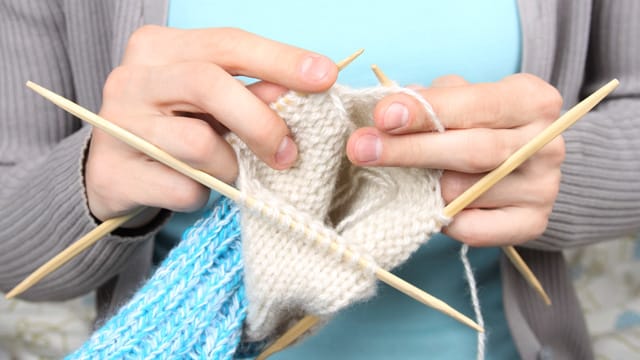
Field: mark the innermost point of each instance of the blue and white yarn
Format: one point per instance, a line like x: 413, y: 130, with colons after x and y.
x: 193, y: 306
x: 196, y: 303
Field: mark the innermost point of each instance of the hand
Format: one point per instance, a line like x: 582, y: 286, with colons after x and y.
x: 176, y: 89
x: 485, y: 123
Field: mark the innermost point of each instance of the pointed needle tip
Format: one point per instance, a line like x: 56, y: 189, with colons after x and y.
x: 344, y: 63
x: 13, y: 293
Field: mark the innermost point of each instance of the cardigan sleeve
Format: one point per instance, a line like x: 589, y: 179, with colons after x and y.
x: 43, y: 207
x: 599, y: 196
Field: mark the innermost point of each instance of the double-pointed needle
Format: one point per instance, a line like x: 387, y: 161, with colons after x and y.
x: 278, y: 216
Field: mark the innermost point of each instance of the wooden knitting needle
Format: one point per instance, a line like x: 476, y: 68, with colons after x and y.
x: 490, y: 179
x: 462, y: 201
x: 382, y: 78
x: 229, y: 191
x: 289, y: 336
x: 232, y: 193
x: 349, y: 59
x: 103, y: 229
x: 70, y: 252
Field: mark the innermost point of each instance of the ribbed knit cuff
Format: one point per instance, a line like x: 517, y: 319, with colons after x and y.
x: 52, y: 214
x: 600, y: 191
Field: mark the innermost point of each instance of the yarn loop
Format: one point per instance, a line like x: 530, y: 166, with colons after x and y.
x: 192, y: 307
x: 196, y: 303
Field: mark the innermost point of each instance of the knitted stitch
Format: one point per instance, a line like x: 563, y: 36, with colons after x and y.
x: 385, y: 213
x: 194, y: 305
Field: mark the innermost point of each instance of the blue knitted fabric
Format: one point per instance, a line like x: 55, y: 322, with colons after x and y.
x: 193, y: 306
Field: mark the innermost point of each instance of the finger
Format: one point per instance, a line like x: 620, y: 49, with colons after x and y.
x: 237, y: 52
x: 216, y: 125
x: 511, y: 102
x: 192, y: 141
x: 523, y: 187
x: 470, y: 151
x: 157, y: 185
x: 415, y: 87
x: 267, y: 92
x: 196, y: 143
x: 402, y: 114
x: 120, y: 180
x: 189, y: 139
x: 498, y: 227
x: 449, y: 81
x: 206, y: 88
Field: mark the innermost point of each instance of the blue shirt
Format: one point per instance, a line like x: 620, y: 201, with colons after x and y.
x: 413, y: 42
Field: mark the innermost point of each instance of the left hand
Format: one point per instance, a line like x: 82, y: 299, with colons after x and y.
x: 485, y: 123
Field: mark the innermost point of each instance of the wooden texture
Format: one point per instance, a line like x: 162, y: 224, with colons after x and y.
x: 109, y: 225
x: 475, y: 191
x: 227, y: 190
x: 70, y: 252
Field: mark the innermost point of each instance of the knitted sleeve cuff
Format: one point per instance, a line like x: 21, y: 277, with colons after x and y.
x: 599, y: 192
x: 45, y: 212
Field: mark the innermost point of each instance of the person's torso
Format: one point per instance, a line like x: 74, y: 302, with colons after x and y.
x: 413, y: 43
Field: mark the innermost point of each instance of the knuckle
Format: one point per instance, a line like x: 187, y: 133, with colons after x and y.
x: 449, y: 80
x: 538, y: 225
x: 230, y: 35
x: 489, y: 152
x: 118, y: 80
x: 548, y: 99
x: 531, y: 83
x: 224, y: 41
x: 526, y: 78
x: 451, y: 186
x: 477, y: 164
x: 551, y: 187
x: 474, y: 236
x: 550, y: 104
x: 557, y: 150
x: 552, y: 155
x: 542, y: 188
x: 206, y: 74
x: 200, y: 139
x: 267, y: 137
x: 188, y: 196
x: 202, y: 70
x: 123, y: 85
x: 142, y: 40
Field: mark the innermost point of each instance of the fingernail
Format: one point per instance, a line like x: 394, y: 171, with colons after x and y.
x: 396, y: 116
x: 368, y: 148
x: 287, y: 152
x: 315, y: 68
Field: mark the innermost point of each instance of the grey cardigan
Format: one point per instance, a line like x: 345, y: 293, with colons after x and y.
x: 70, y: 46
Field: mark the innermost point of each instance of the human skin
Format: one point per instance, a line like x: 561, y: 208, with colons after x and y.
x: 485, y: 123
x: 168, y: 80
x: 176, y: 88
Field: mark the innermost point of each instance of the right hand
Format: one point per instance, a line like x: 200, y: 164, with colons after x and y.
x: 175, y: 88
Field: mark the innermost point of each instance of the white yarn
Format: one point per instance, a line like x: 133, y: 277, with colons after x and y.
x: 384, y: 213
x: 473, y: 290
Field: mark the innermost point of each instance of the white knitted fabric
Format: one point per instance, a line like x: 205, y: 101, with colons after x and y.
x: 382, y: 213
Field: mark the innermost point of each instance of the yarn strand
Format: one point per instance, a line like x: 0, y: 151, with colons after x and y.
x: 192, y: 307
x: 475, y: 301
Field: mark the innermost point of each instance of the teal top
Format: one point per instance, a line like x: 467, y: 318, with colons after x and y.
x: 413, y: 42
